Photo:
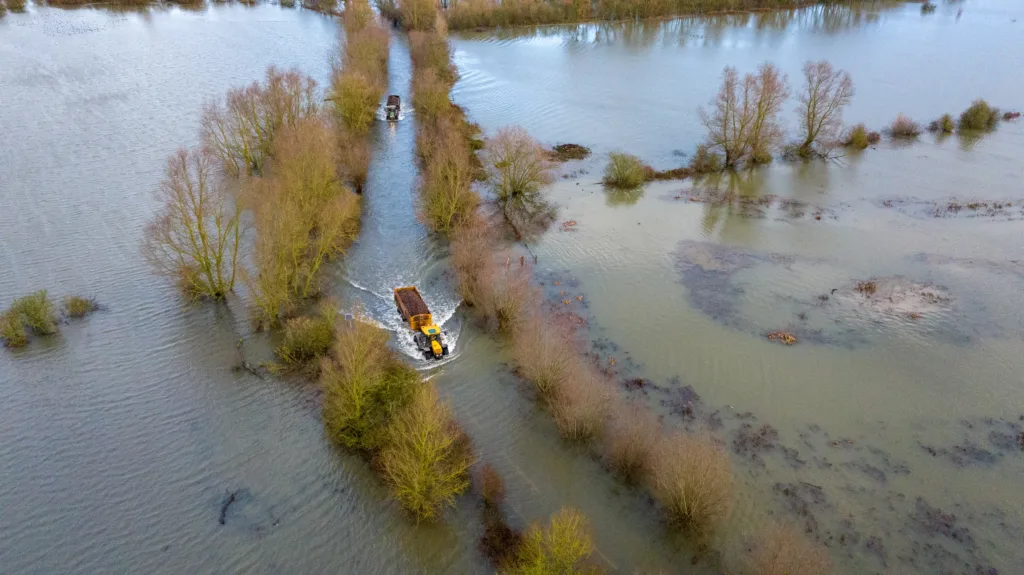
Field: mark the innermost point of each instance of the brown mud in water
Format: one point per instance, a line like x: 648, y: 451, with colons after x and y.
x: 995, y: 210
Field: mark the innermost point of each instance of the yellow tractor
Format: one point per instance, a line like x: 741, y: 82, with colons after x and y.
x: 414, y: 310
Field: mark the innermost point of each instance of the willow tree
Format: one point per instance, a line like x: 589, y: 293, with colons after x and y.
x: 194, y: 238
x: 742, y: 119
x: 518, y: 167
x: 826, y: 92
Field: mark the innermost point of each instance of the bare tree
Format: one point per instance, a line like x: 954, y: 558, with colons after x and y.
x: 771, y: 90
x: 195, y: 236
x: 729, y: 119
x: 519, y: 167
x: 826, y: 92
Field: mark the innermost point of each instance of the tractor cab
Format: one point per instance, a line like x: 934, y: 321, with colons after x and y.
x: 429, y: 341
x: 393, y: 108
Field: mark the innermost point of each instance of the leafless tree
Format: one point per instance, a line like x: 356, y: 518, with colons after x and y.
x: 729, y: 119
x: 519, y: 167
x: 195, y: 236
x: 826, y: 92
x: 771, y: 90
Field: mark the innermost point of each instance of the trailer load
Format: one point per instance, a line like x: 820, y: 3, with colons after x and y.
x: 426, y: 334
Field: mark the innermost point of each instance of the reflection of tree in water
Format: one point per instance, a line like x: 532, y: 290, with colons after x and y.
x: 623, y: 197
x: 709, y: 30
x: 726, y: 216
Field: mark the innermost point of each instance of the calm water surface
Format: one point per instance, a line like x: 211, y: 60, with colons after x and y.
x: 120, y: 438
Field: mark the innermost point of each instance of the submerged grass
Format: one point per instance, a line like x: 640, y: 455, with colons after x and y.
x: 37, y: 312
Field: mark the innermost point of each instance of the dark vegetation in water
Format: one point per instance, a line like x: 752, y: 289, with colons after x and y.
x: 944, y: 125
x: 904, y: 128
x: 500, y: 543
x: 859, y: 138
x: 624, y: 171
x: 307, y: 339
x: 474, y: 14
x: 36, y: 314
x: 979, y: 117
x: 566, y: 152
x: 1009, y: 209
x: 562, y: 546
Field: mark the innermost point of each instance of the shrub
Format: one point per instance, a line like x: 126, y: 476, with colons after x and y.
x: 693, y: 482
x: 364, y: 385
x: 580, y: 406
x: 560, y: 548
x: 472, y: 247
x: 624, y: 171
x: 75, y: 306
x: 904, y: 127
x: 508, y: 295
x: 355, y: 101
x: 431, y: 52
x: 630, y: 439
x: 12, y: 329
x: 418, y: 14
x: 446, y: 197
x: 430, y: 94
x: 545, y: 353
x: 980, y: 116
x: 944, y: 125
x: 857, y: 138
x: 427, y: 456
x: 783, y: 551
x: 308, y: 338
x: 38, y: 312
x: 3, y: 9
x: 704, y: 161
x: 492, y: 487
x: 16, y: 5
x: 517, y: 164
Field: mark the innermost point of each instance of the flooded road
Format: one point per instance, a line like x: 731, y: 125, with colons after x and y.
x: 122, y: 438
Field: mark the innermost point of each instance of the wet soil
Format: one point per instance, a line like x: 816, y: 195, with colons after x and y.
x: 995, y: 210
x: 756, y: 206
x: 567, y: 152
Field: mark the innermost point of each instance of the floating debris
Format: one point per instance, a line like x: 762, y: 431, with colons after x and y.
x: 782, y: 337
x: 569, y: 226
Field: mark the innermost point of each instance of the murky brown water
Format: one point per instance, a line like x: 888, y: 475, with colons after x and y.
x: 120, y: 438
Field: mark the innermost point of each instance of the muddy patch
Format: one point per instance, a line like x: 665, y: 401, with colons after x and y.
x: 1004, y: 267
x: 755, y: 206
x: 567, y: 152
x: 894, y: 296
x: 996, y: 210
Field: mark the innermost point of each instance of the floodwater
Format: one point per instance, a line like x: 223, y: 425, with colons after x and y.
x: 121, y: 438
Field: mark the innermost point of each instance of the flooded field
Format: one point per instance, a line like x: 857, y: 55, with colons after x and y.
x: 890, y: 431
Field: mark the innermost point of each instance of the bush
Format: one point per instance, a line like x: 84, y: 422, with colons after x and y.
x: 446, y: 198
x: 783, y: 551
x: 355, y: 101
x: 12, y: 329
x: 38, y: 312
x: 472, y: 249
x: 364, y: 385
x: 507, y: 295
x: 560, y: 548
x: 857, y: 138
x: 16, y: 5
x: 545, y: 353
x: 704, y: 161
x: 944, y: 125
x: 904, y: 127
x: 517, y: 164
x: 418, y: 14
x: 75, y: 306
x: 431, y: 52
x: 580, y: 407
x: 630, y: 439
x: 308, y: 338
x: 430, y: 94
x: 624, y: 171
x: 427, y: 456
x: 693, y: 482
x: 980, y: 116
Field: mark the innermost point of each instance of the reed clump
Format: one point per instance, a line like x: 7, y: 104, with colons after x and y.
x: 783, y: 551
x: 980, y: 116
x: 561, y: 547
x: 427, y: 456
x: 308, y: 338
x: 692, y: 480
x: 624, y: 171
x: 904, y: 128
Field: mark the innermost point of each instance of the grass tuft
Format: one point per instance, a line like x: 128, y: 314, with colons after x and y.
x: 624, y: 171
x: 38, y: 312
